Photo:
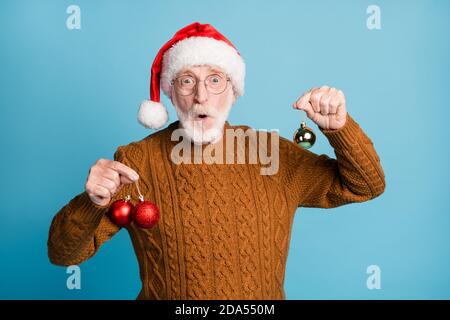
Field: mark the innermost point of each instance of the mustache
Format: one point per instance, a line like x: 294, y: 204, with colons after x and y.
x: 198, y: 109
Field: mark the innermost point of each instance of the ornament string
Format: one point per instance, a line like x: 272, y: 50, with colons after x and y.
x: 141, y: 197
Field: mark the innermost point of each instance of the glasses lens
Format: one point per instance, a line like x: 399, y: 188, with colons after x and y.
x: 186, y: 82
x: 215, y: 84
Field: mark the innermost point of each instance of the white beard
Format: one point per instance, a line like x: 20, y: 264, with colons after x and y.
x: 194, y: 129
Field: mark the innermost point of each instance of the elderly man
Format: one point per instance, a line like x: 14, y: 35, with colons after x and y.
x: 224, y: 228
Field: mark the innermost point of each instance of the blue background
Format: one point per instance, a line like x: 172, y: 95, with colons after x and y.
x: 69, y: 97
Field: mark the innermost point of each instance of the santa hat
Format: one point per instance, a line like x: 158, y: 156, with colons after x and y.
x: 195, y: 44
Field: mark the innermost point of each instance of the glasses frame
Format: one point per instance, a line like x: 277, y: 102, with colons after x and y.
x: 197, y: 81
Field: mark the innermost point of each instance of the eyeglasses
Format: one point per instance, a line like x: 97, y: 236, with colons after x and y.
x: 186, y: 85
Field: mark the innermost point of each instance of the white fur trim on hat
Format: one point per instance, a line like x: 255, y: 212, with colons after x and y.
x: 200, y: 51
x: 152, y: 115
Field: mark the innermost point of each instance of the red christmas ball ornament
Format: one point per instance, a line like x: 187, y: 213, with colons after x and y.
x: 146, y: 214
x: 121, y: 212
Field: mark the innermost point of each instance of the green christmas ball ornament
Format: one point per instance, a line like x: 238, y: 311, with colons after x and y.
x: 304, y: 136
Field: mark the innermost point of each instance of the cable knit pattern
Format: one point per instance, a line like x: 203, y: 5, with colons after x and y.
x: 223, y: 233
x: 281, y: 229
x: 169, y: 223
x: 196, y: 233
x: 225, y: 229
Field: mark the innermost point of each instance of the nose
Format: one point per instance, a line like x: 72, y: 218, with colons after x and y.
x: 201, y: 94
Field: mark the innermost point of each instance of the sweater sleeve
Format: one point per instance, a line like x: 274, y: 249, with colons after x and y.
x: 319, y: 181
x: 81, y: 226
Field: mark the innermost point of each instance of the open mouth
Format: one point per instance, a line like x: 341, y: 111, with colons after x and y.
x: 202, y: 116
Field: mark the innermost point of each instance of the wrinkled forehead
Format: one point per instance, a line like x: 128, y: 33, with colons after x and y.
x: 199, y: 69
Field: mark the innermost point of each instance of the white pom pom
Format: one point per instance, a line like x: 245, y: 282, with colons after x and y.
x: 152, y: 115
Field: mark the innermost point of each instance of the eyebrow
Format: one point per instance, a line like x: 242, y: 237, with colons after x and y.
x: 191, y: 73
x: 217, y: 70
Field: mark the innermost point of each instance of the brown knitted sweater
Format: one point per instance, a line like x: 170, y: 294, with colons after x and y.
x: 225, y: 229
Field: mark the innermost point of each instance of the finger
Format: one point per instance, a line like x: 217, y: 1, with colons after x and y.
x: 125, y: 180
x: 341, y: 95
x: 108, y: 184
x: 324, y: 104
x: 341, y: 111
x: 315, y: 99
x: 332, y: 91
x: 303, y: 100
x: 124, y: 170
x: 111, y: 175
x: 341, y: 100
x: 334, y: 104
x: 309, y: 110
x: 100, y: 200
x: 102, y: 192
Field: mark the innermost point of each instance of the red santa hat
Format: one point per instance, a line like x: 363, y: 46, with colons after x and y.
x: 195, y: 44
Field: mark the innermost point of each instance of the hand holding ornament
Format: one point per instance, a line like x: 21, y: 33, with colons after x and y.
x: 106, y: 178
x: 325, y: 106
